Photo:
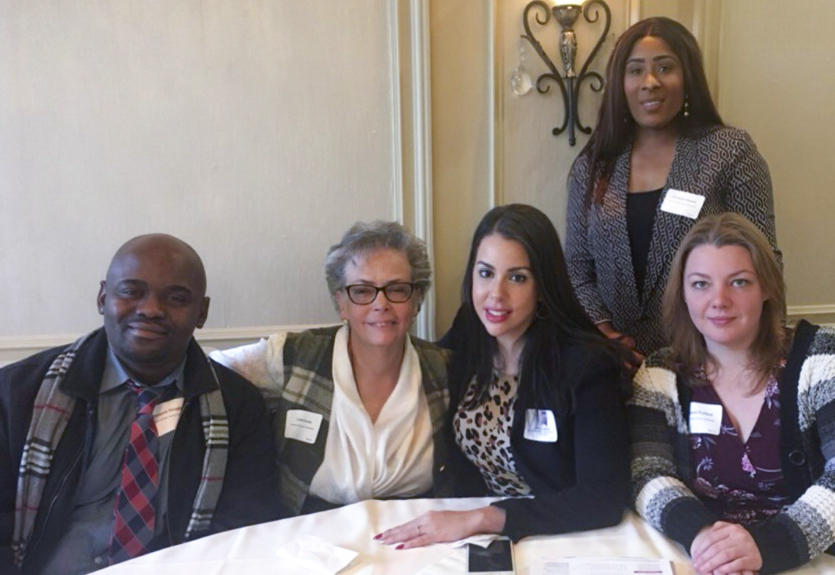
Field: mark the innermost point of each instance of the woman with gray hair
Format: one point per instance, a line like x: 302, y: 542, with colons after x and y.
x: 358, y: 408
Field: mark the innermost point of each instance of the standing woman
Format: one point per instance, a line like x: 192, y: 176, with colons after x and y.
x: 733, y: 426
x: 659, y: 160
x: 538, y: 393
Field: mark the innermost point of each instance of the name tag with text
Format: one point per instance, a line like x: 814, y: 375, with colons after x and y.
x: 166, y: 415
x: 682, y: 203
x: 540, y: 425
x: 302, y: 425
x: 705, y: 418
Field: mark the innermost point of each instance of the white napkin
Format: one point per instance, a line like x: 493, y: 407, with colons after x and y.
x: 316, y: 555
x: 482, y: 540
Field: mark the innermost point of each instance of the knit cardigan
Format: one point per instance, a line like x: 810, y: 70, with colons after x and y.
x: 659, y: 415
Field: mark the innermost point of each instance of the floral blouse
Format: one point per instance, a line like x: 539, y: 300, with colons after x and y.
x: 742, y: 483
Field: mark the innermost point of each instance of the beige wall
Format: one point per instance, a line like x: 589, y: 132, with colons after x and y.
x: 462, y: 127
x: 257, y: 130
x: 776, y: 79
x: 534, y: 162
x: 491, y: 146
x: 770, y: 72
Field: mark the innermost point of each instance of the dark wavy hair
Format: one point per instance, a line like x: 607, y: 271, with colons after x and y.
x: 560, y: 319
x: 615, y: 125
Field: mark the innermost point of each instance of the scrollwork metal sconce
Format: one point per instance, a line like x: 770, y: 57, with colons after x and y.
x: 567, y: 15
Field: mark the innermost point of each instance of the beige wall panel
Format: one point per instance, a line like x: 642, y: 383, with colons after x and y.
x: 776, y: 79
x: 534, y: 162
x: 461, y: 139
x: 257, y: 130
x: 489, y: 145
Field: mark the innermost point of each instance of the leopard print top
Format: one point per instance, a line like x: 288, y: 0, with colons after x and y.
x: 483, y: 434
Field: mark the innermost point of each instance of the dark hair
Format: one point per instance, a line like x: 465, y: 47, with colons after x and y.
x: 615, y: 125
x: 691, y: 353
x: 560, y: 319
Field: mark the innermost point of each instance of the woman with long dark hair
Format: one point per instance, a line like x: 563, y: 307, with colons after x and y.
x: 659, y: 160
x: 537, y: 393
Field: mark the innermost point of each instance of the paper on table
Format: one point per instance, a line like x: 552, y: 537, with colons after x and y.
x: 602, y: 566
x: 316, y: 555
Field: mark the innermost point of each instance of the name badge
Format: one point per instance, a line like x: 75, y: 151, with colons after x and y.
x: 705, y: 418
x: 166, y: 415
x: 682, y: 203
x: 540, y: 425
x: 302, y: 425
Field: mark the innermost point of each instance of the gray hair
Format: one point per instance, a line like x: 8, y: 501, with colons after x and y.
x: 365, y: 238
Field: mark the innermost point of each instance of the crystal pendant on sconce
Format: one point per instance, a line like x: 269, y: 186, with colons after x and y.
x: 520, y: 80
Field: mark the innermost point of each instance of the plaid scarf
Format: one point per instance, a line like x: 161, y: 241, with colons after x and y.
x: 50, y: 415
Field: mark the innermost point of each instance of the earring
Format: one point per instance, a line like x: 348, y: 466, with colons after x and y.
x: 686, y: 106
x: 540, y: 311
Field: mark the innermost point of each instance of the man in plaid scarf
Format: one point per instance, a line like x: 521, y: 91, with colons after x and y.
x: 67, y: 416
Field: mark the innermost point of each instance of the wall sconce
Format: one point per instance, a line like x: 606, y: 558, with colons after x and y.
x: 566, y: 13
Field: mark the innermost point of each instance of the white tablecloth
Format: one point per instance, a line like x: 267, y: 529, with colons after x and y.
x: 251, y: 550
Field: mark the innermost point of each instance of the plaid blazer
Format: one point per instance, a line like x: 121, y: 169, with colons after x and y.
x: 308, y: 359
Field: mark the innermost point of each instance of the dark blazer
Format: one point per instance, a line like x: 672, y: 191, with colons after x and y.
x: 581, y: 481
x: 722, y: 164
x: 250, y: 486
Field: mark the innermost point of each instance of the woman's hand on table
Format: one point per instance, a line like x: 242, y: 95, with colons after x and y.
x: 725, y: 549
x: 444, y: 527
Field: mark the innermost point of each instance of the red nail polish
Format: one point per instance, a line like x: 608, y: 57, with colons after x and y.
x: 378, y: 536
x: 401, y: 546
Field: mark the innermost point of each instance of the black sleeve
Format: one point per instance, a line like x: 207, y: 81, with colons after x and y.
x: 600, y: 493
x: 17, y: 395
x: 7, y: 490
x: 250, y: 487
x: 452, y: 338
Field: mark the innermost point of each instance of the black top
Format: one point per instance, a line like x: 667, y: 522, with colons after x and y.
x: 640, y: 216
x: 581, y: 481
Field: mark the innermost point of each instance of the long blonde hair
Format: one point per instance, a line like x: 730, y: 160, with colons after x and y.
x: 692, y: 356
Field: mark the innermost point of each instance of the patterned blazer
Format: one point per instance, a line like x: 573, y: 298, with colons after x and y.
x: 722, y: 164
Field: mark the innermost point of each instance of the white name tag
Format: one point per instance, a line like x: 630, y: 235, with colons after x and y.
x: 705, y: 418
x: 166, y: 415
x: 302, y: 425
x: 682, y: 203
x: 540, y: 425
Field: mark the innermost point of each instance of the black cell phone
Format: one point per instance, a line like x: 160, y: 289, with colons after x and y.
x: 495, y: 559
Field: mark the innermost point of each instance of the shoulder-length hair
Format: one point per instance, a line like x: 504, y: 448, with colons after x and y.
x: 362, y: 239
x: 687, y: 342
x: 615, y: 125
x: 560, y: 320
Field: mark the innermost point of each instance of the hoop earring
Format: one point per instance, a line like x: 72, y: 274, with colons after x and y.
x: 540, y: 311
x: 686, y: 113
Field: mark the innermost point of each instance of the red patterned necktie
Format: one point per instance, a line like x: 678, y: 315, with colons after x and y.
x: 134, y: 513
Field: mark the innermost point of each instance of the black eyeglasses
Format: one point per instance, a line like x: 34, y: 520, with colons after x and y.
x: 364, y: 294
